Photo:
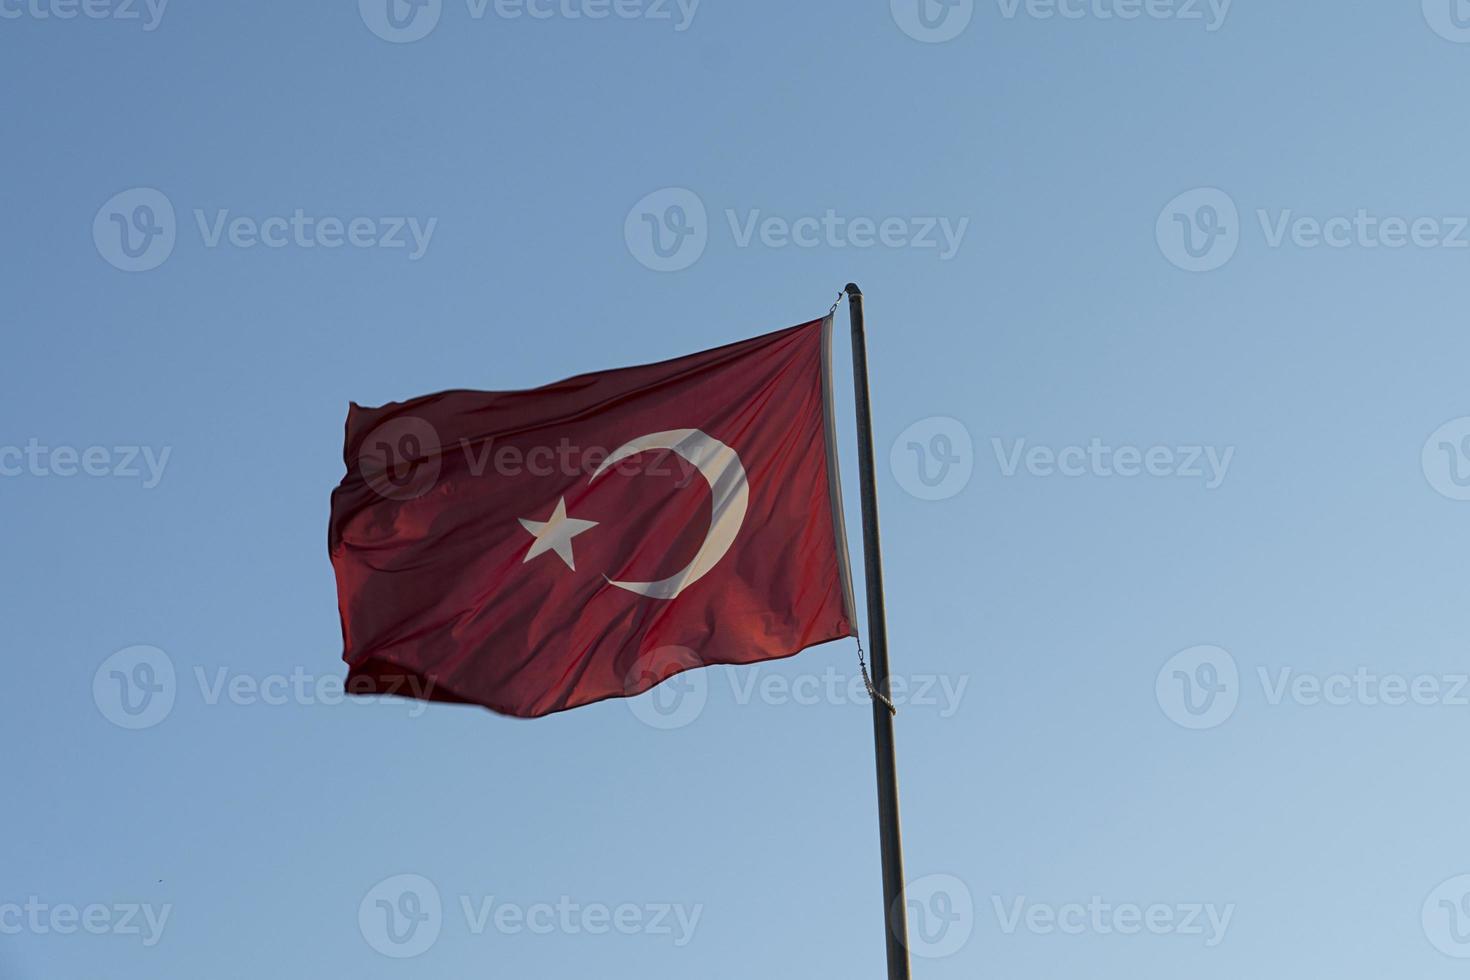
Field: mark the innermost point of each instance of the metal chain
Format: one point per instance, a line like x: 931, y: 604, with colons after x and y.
x: 873, y: 692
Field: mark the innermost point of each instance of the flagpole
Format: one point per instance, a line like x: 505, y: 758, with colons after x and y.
x: 889, y: 835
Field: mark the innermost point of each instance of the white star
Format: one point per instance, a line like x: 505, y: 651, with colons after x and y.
x: 555, y: 534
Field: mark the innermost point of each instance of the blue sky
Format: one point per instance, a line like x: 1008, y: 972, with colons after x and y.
x: 1166, y: 333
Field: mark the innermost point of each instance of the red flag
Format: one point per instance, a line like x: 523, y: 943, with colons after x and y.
x: 531, y: 551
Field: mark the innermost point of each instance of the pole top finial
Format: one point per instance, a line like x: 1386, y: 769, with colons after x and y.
x: 852, y: 289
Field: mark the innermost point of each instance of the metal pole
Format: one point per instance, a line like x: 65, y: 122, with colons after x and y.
x: 889, y: 836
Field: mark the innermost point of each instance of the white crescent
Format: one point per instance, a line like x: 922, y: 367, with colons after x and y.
x: 721, y: 468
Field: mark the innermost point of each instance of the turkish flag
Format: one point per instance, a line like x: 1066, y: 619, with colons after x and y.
x: 532, y: 551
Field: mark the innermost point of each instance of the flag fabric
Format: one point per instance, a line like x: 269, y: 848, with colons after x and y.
x: 532, y: 551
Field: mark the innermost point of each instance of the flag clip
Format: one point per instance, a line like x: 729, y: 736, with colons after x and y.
x: 873, y: 692
x: 836, y: 303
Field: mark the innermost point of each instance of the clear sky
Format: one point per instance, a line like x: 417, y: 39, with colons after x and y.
x: 1169, y: 361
